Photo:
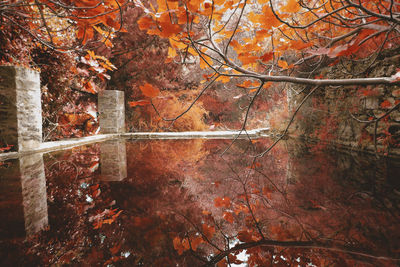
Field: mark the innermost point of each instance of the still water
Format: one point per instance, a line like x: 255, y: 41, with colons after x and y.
x: 180, y: 203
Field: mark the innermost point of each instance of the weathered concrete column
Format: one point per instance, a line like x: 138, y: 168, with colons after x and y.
x: 20, y: 107
x: 113, y: 160
x: 111, y: 105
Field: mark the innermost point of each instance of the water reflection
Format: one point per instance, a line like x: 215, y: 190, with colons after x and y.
x: 113, y: 160
x: 24, y: 197
x: 179, y: 203
x: 34, y: 194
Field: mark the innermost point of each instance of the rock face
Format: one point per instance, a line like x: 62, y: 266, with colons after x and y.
x: 111, y: 107
x: 333, y: 114
x: 20, y: 108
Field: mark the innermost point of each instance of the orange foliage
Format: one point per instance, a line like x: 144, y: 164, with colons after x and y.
x: 149, y: 90
x: 168, y: 105
x: 222, y: 202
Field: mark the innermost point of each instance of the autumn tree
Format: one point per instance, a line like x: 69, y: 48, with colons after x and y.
x: 261, y: 43
x: 146, y: 78
x: 56, y: 38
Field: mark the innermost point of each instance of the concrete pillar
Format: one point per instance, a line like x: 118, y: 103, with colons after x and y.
x: 20, y: 108
x: 113, y: 160
x: 111, y: 105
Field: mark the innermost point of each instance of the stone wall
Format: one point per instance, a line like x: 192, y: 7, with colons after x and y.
x: 111, y: 105
x: 20, y: 108
x: 331, y: 114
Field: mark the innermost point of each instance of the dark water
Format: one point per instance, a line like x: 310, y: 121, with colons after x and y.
x: 179, y: 203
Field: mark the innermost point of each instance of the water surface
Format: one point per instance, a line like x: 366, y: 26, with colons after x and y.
x: 180, y: 203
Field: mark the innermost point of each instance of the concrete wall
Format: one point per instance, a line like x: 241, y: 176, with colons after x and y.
x: 20, y: 108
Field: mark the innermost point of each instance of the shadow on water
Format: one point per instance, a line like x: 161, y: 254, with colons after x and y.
x: 179, y: 203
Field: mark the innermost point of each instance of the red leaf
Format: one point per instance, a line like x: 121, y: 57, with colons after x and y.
x: 196, y: 242
x: 139, y: 103
x: 148, y: 90
x: 386, y: 104
x: 228, y: 217
x: 114, y: 250
x: 145, y: 23
x: 222, y: 202
x: 178, y: 245
x: 2, y: 149
x: 208, y: 231
x: 90, y: 87
x: 283, y: 64
x: 245, y: 236
x: 267, y: 56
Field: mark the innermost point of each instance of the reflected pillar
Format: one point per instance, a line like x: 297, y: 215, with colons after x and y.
x: 34, y: 194
x: 23, y: 198
x: 113, y: 160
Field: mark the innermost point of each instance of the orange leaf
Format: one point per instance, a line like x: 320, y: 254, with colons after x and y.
x: 386, y: 104
x: 145, y: 23
x: 148, y: 90
x: 6, y: 148
x: 114, y: 250
x: 139, y: 103
x: 267, y: 192
x: 244, y: 84
x: 196, y: 242
x: 90, y: 87
x: 177, y: 44
x: 208, y: 231
x: 241, y: 208
x: 222, y: 263
x: 267, y: 85
x: 171, y: 52
x: 247, y: 58
x: 206, y: 212
x: 267, y: 56
x: 235, y: 44
x: 116, y: 215
x: 224, y: 79
x: 245, y: 236
x: 203, y: 64
x: 178, y: 245
x: 292, y: 7
x: 282, y: 64
x: 299, y: 45
x: 222, y: 202
x: 228, y: 217
x: 168, y: 29
x: 185, y: 244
